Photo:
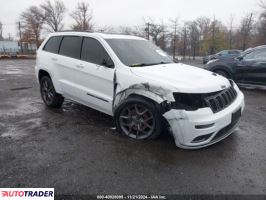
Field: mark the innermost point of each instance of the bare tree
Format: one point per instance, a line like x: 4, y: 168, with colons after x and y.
x: 156, y: 32
x: 230, y: 33
x: 1, y: 31
x: 184, y: 40
x: 53, y: 15
x: 104, y: 29
x: 139, y: 30
x: 32, y: 24
x: 262, y: 4
x: 174, y: 26
x: 194, y: 36
x: 246, y: 29
x: 82, y: 16
x: 261, y: 24
x: 214, y: 29
x: 204, y: 30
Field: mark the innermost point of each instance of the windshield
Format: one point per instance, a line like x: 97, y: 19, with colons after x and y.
x: 137, y: 53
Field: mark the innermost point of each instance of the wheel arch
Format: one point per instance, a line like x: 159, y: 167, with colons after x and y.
x: 151, y: 93
x: 135, y: 97
x: 43, y: 73
x: 224, y: 69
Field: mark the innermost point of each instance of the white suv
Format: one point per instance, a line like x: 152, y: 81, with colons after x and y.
x: 133, y: 80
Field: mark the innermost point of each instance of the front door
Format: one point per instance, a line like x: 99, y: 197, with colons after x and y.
x: 96, y: 75
x: 252, y: 69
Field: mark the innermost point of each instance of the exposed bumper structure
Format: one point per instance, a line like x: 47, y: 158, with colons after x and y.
x: 201, y: 128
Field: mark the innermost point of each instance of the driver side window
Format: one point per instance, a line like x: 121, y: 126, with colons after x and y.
x: 94, y: 52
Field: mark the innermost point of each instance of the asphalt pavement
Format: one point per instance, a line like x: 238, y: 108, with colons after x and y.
x: 76, y: 150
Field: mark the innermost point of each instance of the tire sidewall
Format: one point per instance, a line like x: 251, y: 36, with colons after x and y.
x: 45, y: 78
x: 149, y: 105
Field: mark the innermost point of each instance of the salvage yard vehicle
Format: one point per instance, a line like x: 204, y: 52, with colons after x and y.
x: 248, y: 69
x: 134, y: 81
x: 225, y: 54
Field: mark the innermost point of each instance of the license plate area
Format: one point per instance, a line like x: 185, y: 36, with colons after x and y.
x: 236, y: 116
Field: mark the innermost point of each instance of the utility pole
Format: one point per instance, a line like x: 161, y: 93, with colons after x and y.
x: 174, y: 45
x: 148, y: 30
x: 20, y: 37
x: 185, y: 41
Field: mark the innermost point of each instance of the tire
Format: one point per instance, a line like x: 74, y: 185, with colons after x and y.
x: 138, y: 118
x: 222, y: 73
x: 48, y: 93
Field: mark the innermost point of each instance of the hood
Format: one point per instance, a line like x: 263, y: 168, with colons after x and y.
x: 225, y: 61
x: 182, y: 78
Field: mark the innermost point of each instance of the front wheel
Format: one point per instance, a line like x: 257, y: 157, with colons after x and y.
x: 138, y: 118
x: 49, y: 95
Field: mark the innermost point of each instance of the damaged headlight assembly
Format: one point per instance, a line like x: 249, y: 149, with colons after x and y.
x: 184, y: 101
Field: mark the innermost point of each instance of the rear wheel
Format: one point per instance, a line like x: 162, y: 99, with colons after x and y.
x: 49, y: 95
x: 139, y: 119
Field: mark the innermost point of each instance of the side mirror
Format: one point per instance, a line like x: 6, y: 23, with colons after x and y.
x: 108, y: 63
x: 219, y: 54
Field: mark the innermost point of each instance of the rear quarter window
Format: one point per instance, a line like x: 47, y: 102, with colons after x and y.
x: 53, y: 44
x: 71, y: 46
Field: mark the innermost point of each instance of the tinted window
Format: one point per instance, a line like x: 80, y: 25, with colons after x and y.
x: 261, y: 54
x: 135, y: 52
x: 223, y: 53
x: 70, y: 46
x: 234, y: 52
x: 257, y: 54
x: 93, y: 51
x: 53, y: 44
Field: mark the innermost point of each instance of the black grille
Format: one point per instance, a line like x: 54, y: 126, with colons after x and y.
x: 221, y: 100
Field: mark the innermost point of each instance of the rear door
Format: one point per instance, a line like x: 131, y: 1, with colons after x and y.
x: 67, y: 67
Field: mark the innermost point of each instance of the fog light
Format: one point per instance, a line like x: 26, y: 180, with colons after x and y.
x: 204, y: 126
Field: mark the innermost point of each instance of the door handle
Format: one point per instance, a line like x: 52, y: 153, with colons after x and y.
x: 80, y: 66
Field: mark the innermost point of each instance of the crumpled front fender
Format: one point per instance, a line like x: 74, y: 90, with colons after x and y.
x: 154, y: 92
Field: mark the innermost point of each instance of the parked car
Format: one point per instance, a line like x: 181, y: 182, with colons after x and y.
x: 249, y: 68
x: 222, y: 55
x: 134, y: 81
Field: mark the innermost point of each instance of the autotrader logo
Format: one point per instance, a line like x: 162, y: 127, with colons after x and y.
x: 27, y: 193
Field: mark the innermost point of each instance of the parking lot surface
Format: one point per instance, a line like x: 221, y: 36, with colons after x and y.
x: 76, y: 150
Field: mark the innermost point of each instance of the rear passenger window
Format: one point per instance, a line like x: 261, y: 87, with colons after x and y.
x: 70, y: 46
x: 53, y: 44
x: 93, y: 51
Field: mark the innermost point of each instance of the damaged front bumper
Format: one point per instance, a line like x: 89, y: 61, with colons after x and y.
x: 201, y: 128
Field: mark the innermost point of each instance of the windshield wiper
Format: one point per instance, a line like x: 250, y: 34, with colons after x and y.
x: 148, y: 64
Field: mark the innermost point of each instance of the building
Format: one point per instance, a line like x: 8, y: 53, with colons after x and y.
x: 9, y: 47
x: 13, y: 47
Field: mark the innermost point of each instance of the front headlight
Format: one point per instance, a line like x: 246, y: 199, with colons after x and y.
x: 189, y: 102
x: 211, y: 61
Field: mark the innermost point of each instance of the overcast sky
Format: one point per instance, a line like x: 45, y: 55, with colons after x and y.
x: 132, y: 12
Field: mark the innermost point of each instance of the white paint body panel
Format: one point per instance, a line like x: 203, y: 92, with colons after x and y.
x: 82, y: 82
x: 183, y: 123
